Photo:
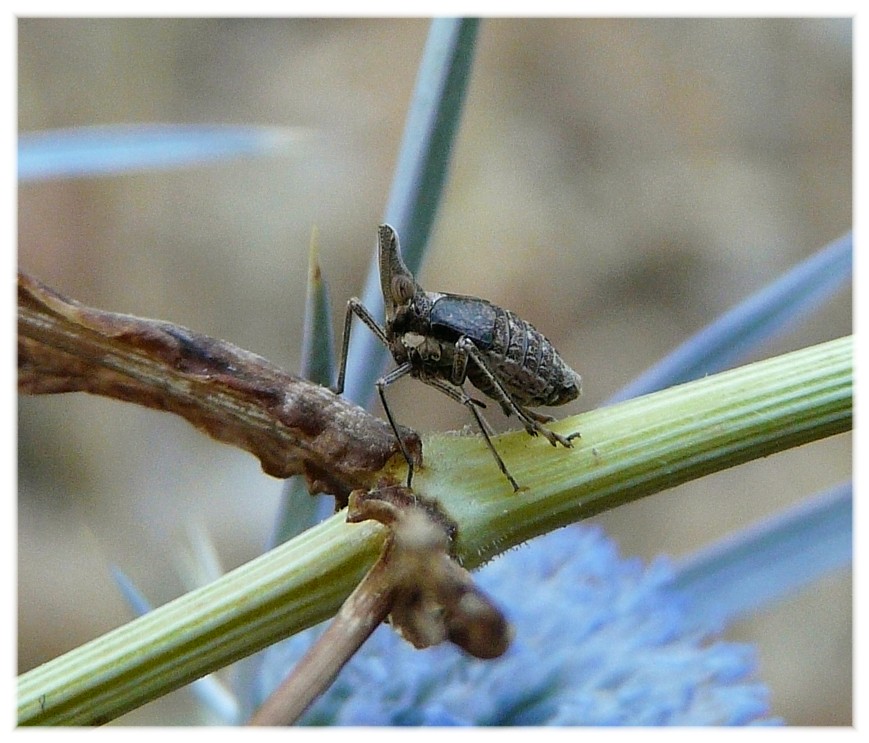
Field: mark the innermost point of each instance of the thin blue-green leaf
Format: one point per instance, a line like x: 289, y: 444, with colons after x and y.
x: 126, y: 148
x: 133, y: 596
x: 417, y: 185
x: 751, y: 323
x: 318, y: 343
x: 751, y: 569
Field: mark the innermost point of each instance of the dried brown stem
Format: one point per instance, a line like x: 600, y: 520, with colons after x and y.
x: 358, y: 617
x: 427, y: 597
x: 290, y: 424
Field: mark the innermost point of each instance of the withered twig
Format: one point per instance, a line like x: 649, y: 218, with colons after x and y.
x: 425, y: 594
x: 359, y: 616
x: 290, y: 424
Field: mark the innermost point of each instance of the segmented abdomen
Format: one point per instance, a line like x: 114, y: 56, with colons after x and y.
x: 526, y: 363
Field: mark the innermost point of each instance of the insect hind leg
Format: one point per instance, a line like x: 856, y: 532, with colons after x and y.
x: 531, y: 420
x: 533, y: 424
x: 543, y: 418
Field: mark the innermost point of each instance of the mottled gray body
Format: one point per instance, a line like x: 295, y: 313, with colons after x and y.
x: 526, y: 363
x: 445, y: 339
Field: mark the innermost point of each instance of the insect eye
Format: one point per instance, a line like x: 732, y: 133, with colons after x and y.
x: 402, y: 289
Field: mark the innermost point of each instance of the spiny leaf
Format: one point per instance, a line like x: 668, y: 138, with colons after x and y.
x: 117, y: 149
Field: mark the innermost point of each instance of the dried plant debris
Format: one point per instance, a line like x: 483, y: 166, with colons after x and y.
x: 433, y: 598
x: 415, y: 585
x: 290, y: 424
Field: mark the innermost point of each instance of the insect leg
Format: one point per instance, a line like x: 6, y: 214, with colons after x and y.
x: 539, y: 417
x: 458, y: 375
x: 381, y: 385
x: 531, y: 420
x: 355, y: 307
x: 459, y: 395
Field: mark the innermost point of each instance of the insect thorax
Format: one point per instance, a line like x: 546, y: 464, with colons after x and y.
x: 411, y: 336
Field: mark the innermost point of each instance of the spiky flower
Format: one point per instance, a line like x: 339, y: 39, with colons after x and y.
x: 599, y: 641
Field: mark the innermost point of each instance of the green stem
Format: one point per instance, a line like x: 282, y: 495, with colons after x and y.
x: 638, y: 448
x: 626, y: 452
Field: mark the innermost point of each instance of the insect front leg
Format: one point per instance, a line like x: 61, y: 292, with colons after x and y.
x: 381, y: 385
x: 459, y: 395
x: 355, y: 307
x: 532, y: 421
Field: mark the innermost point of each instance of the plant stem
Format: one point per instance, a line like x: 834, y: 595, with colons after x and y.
x: 293, y: 426
x: 626, y: 452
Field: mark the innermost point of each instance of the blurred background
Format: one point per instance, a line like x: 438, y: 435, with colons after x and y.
x: 618, y: 183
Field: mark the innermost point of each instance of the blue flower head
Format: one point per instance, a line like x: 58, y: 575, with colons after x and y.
x: 598, y: 641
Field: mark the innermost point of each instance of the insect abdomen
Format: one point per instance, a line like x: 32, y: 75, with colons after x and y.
x: 526, y: 363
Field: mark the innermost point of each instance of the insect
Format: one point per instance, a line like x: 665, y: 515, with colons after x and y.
x: 445, y: 339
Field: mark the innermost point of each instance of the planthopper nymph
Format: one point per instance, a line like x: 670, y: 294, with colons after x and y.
x: 445, y: 339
